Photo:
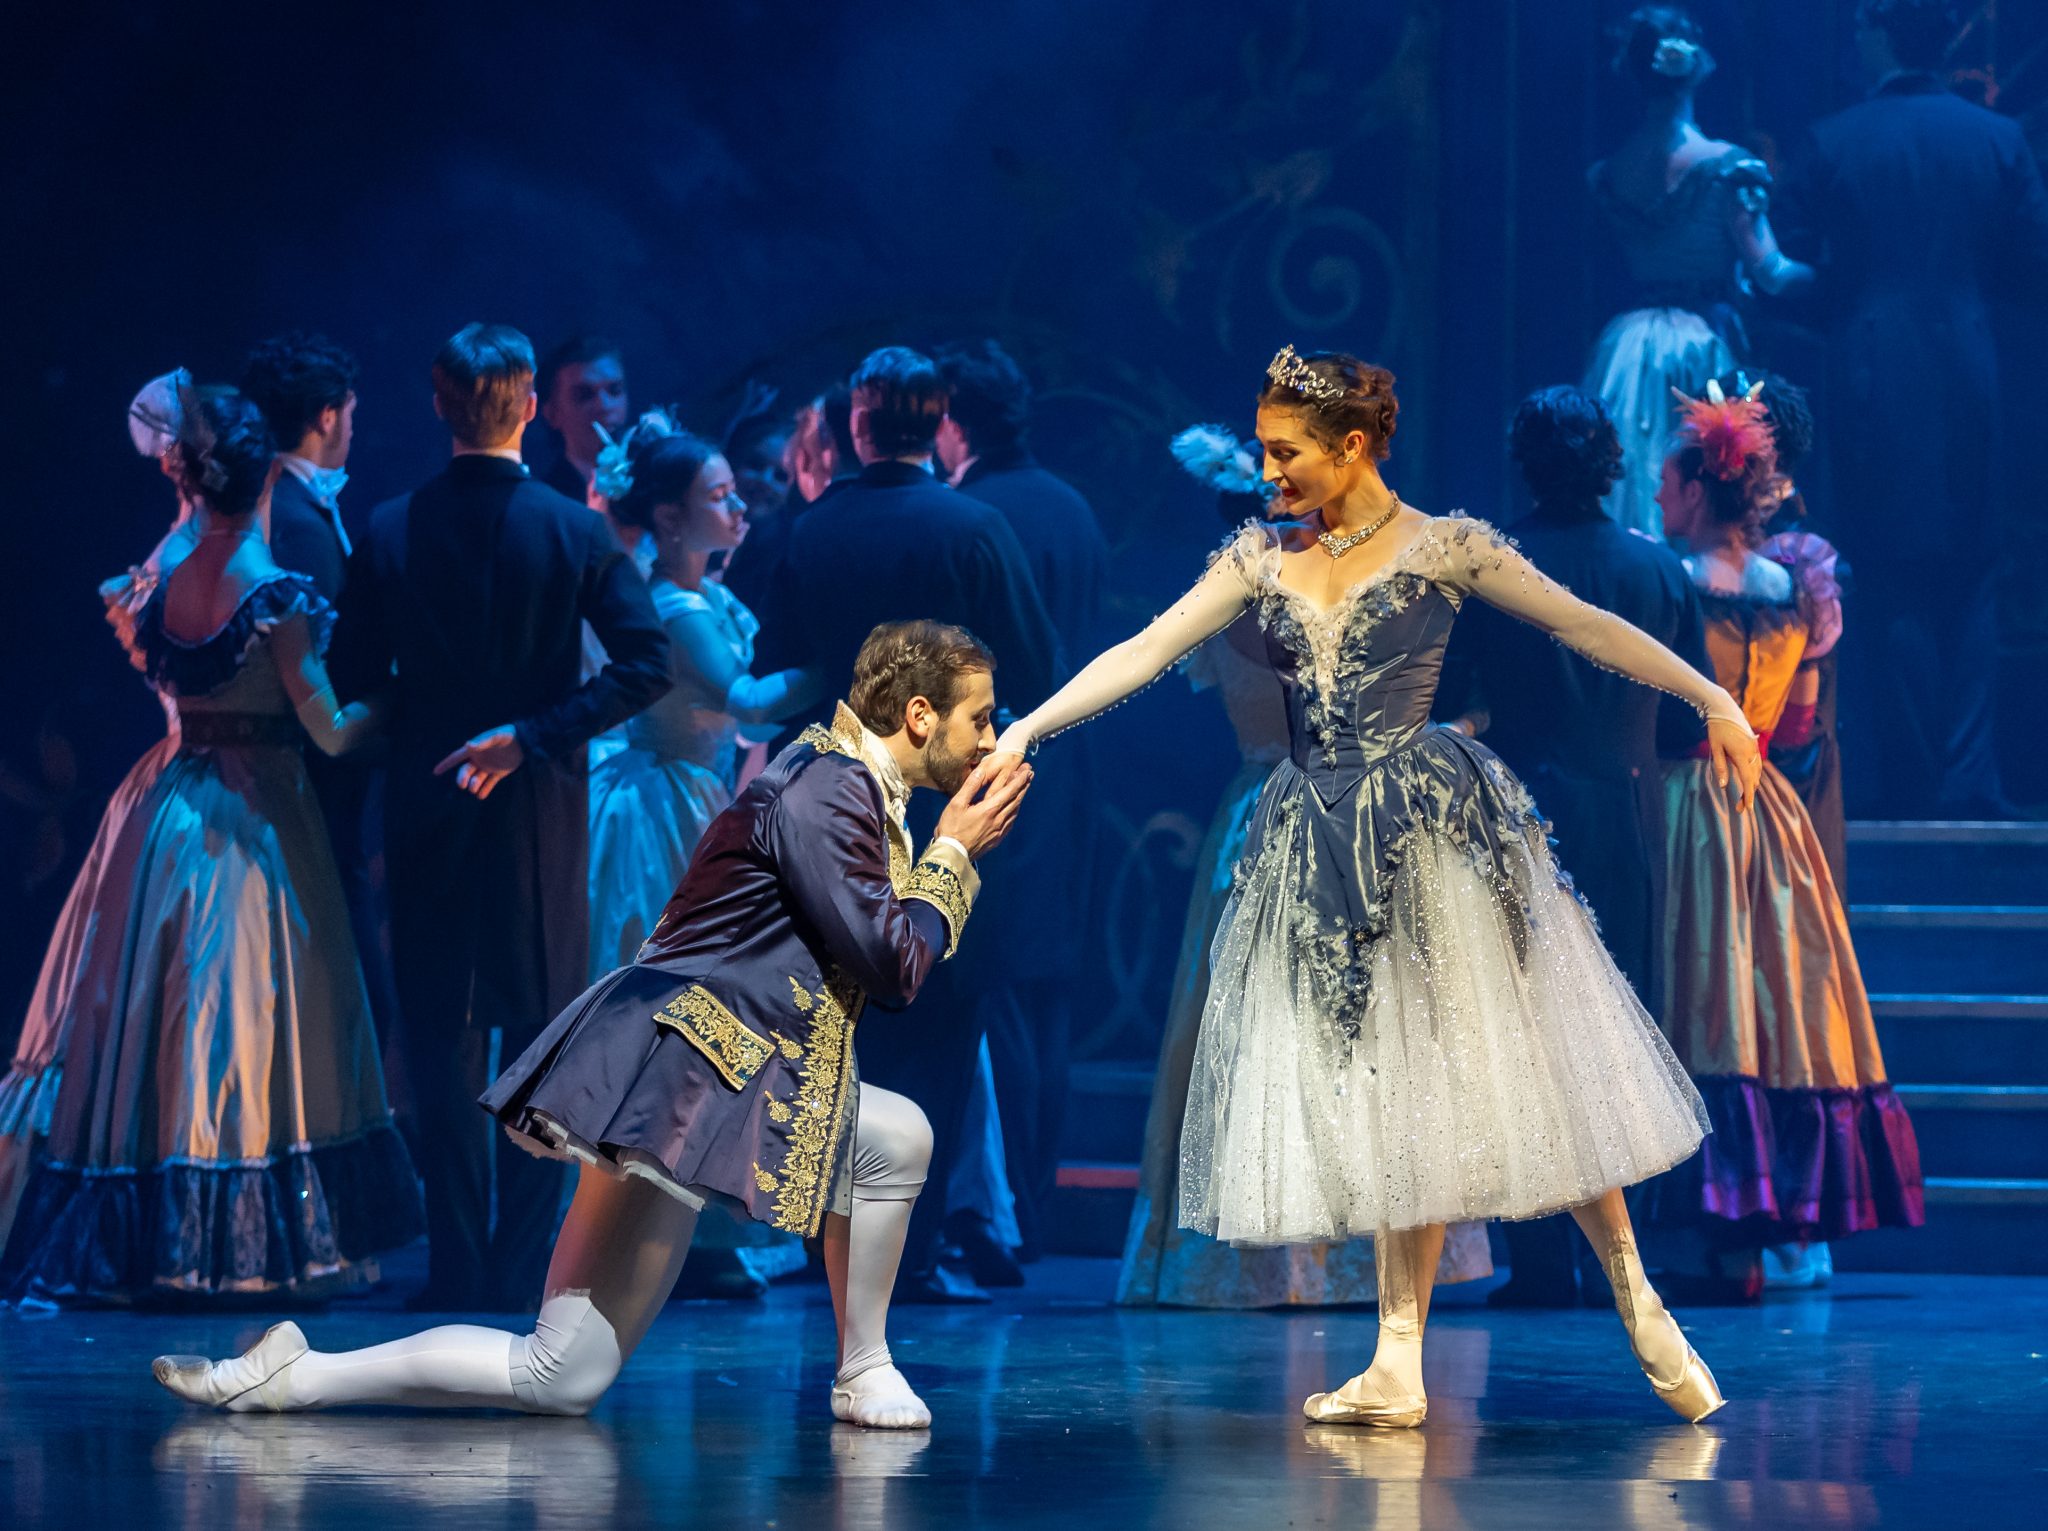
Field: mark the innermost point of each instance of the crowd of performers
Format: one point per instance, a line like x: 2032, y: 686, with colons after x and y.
x: 662, y: 853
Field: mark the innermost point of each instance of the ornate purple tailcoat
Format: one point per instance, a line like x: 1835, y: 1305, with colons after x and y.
x: 722, y: 1059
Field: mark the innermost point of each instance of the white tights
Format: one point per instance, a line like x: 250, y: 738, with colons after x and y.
x: 618, y: 1256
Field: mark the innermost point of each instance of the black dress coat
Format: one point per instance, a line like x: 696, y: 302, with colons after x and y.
x: 474, y: 590
x: 1585, y: 741
x: 1925, y: 209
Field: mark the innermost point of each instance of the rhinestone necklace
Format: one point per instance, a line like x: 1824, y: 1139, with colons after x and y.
x: 1337, y: 546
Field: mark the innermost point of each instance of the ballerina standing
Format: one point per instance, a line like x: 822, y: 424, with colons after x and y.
x: 1411, y: 1020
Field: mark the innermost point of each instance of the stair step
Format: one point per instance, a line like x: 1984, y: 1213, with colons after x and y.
x: 1939, y: 948
x: 1979, y: 1130
x: 1899, y: 861
x: 1979, y: 1227
x: 1949, y: 916
x: 1966, y: 1038
x: 1092, y: 1208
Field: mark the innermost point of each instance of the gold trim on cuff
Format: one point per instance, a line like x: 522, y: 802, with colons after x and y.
x: 945, y: 879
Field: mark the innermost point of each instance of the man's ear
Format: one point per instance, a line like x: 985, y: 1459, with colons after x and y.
x: 329, y: 422
x: 532, y: 407
x: 920, y: 719
x: 439, y: 412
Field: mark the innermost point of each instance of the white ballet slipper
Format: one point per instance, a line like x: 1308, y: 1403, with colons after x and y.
x: 248, y: 1382
x: 880, y: 1399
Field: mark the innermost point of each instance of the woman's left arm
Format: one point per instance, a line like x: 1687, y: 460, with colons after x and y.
x: 335, y: 728
x: 1485, y: 564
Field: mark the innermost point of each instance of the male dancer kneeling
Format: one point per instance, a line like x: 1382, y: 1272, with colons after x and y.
x: 720, y: 1064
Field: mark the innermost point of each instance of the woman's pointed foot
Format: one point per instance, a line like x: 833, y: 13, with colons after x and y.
x: 1366, y: 1400
x: 246, y: 1383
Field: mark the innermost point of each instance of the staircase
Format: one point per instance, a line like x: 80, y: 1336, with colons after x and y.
x: 1951, y: 928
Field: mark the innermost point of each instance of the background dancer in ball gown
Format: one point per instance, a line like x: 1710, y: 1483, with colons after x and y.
x: 221, y: 1125
x: 1691, y: 215
x: 720, y: 1064
x: 1768, y: 1009
x: 1411, y: 1020
x: 1164, y: 1263
x: 28, y: 1091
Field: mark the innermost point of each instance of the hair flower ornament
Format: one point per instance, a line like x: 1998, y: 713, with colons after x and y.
x: 612, y: 475
x: 1730, y: 433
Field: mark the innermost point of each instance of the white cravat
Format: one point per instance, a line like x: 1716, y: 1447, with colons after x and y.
x: 325, y: 485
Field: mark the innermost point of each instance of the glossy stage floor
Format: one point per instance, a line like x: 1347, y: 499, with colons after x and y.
x: 1910, y: 1401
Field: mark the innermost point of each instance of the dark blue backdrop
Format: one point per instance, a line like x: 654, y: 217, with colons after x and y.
x: 1143, y: 199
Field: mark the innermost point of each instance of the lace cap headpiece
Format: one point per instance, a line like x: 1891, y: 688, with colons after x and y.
x: 1289, y: 370
x: 157, y: 411
x: 612, y: 476
x: 1730, y: 433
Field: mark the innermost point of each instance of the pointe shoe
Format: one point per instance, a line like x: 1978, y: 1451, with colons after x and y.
x: 1693, y: 1394
x: 1364, y: 1401
x: 241, y: 1383
x: 880, y: 1399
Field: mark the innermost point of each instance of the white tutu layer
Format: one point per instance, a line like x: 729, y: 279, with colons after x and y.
x: 1483, y: 1083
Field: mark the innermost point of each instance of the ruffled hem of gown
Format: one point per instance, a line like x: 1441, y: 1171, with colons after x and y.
x: 1798, y: 1164
x: 301, y: 1217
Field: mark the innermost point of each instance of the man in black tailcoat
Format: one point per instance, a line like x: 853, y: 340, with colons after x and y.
x: 306, y: 387
x: 984, y: 446
x: 1925, y: 207
x: 1585, y: 741
x: 466, y: 604
x: 581, y: 386
x: 892, y: 544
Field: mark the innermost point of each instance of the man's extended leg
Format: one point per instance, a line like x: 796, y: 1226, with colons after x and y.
x: 892, y: 1154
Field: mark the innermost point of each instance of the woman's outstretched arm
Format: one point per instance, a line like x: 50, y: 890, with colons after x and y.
x: 1485, y: 564
x: 1216, y: 601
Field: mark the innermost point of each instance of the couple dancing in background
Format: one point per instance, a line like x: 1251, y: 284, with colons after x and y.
x: 1411, y: 1020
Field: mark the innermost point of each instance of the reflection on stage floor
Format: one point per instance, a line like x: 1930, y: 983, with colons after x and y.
x: 1909, y: 1401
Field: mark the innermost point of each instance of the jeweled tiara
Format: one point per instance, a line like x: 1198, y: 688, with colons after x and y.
x: 1288, y: 370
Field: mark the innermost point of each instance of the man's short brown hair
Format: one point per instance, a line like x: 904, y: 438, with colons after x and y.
x: 482, y: 378
x: 901, y: 660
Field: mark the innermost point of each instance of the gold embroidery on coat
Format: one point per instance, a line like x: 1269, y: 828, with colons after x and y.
x: 939, y: 886
x: 778, y: 1111
x: 736, y: 1051
x: 763, y: 1180
x: 820, y: 1107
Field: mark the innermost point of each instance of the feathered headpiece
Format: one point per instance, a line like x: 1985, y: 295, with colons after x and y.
x: 1732, y: 434
x: 1216, y: 458
x: 612, y: 476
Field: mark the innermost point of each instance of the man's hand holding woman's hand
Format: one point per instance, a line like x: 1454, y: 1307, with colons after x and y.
x: 985, y: 807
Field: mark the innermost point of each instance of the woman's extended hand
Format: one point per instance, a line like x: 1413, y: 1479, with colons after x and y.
x: 1736, y: 757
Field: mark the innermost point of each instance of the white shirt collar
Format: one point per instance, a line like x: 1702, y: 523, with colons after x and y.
x: 324, y: 484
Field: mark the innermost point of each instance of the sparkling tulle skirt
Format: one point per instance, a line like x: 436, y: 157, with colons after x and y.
x: 1500, y: 1066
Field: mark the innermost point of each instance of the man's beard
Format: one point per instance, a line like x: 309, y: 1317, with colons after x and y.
x: 948, y: 771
